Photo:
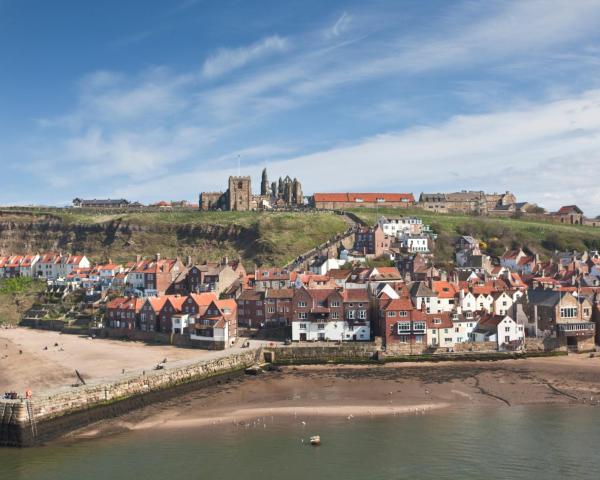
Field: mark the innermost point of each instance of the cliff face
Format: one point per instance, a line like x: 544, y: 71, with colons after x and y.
x: 121, y: 240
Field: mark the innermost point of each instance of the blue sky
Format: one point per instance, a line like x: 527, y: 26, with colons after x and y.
x: 156, y: 100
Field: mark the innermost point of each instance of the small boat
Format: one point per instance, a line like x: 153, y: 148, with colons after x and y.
x: 315, y: 440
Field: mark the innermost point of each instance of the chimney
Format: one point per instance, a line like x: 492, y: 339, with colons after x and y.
x: 157, y: 257
x: 188, y: 261
x: 138, y: 258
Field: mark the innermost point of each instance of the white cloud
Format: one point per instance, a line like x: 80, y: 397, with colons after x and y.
x: 340, y: 25
x: 527, y: 150
x: 228, y: 59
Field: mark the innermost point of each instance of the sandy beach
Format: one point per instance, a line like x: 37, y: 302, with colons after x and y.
x: 309, y: 392
x: 45, y: 360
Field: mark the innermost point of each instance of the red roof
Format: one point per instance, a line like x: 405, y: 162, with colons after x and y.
x: 399, y: 304
x: 365, y: 197
x: 568, y: 209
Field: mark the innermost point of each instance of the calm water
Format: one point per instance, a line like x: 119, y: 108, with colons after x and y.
x: 502, y: 443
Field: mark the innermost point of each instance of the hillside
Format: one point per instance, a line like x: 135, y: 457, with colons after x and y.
x: 17, y: 295
x: 498, y: 234
x: 259, y: 238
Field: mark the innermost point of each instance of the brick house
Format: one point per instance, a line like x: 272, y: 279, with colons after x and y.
x: 561, y: 314
x: 340, y: 201
x: 272, y: 278
x: 278, y: 306
x: 217, y: 325
x: 211, y: 277
x: 372, y: 241
x: 570, y: 214
x: 402, y: 326
x: 319, y: 315
x: 123, y: 312
x: 155, y: 275
x: 251, y: 308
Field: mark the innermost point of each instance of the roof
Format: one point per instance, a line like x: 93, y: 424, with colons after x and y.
x: 543, y: 297
x: 355, y: 295
x: 279, y: 293
x: 420, y: 289
x: 565, y: 210
x: 365, y: 197
x: 203, y: 299
x: 444, y: 289
x: 399, y: 304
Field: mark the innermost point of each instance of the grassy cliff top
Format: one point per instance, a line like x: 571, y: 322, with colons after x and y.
x: 262, y: 238
x: 499, y: 233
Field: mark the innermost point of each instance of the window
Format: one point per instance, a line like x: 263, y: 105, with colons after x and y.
x: 351, y: 314
x: 335, y: 303
x: 437, y: 321
x: 271, y: 309
x: 301, y: 315
x: 321, y: 326
x: 362, y: 314
x: 335, y: 315
x: 419, y: 326
x: 301, y: 304
x: 302, y: 326
x: 457, y: 329
x: 403, y: 313
x: 392, y: 314
x: 507, y: 329
x: 403, y: 327
x: 568, y: 312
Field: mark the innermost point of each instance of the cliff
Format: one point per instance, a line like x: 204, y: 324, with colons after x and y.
x: 259, y: 239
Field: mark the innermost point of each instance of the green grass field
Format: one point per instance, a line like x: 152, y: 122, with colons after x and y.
x: 500, y: 233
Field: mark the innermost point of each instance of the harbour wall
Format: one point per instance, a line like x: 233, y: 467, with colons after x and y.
x: 40, y: 419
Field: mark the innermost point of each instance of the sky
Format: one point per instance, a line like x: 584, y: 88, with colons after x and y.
x: 160, y: 100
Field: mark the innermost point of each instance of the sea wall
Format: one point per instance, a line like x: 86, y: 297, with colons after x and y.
x: 355, y: 353
x: 30, y: 422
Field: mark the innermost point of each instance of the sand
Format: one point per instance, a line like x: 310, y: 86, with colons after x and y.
x: 45, y: 370
x: 351, y: 392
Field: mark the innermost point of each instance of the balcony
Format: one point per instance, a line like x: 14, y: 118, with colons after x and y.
x: 575, y: 329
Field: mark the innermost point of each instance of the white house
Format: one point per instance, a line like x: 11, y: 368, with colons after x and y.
x: 48, y: 266
x: 439, y: 331
x: 181, y: 322
x: 502, y: 303
x: 27, y: 267
x: 501, y: 329
x: 400, y: 227
x: 334, y: 330
x: 414, y: 244
x: 463, y: 326
x: 70, y: 263
x: 484, y: 302
x: 467, y: 301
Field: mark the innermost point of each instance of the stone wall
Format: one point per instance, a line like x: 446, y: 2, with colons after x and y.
x: 322, y: 354
x: 51, y: 416
x: 475, y: 347
x: 549, y: 344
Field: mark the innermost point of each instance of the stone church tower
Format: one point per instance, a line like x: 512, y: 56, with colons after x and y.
x: 264, y: 184
x: 239, y: 193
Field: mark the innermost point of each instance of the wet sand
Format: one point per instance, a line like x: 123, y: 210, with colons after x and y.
x: 302, y: 393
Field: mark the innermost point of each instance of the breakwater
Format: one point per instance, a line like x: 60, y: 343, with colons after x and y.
x: 29, y: 422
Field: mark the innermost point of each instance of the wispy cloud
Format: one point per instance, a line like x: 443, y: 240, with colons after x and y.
x: 340, y: 25
x: 161, y: 128
x: 524, y: 150
x: 228, y: 59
